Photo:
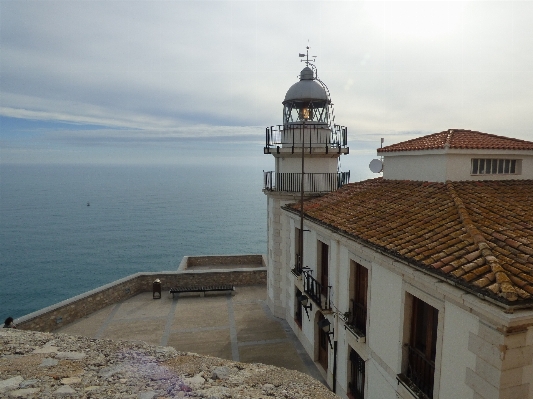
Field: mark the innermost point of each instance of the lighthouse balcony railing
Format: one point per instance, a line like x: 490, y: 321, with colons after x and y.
x: 313, y: 182
x: 311, y: 135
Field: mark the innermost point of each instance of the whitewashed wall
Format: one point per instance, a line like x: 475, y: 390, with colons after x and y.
x: 456, y: 358
x: 293, y: 164
x: 384, y: 312
x: 440, y: 166
x: 278, y: 233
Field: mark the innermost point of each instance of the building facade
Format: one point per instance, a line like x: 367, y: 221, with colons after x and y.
x: 418, y: 284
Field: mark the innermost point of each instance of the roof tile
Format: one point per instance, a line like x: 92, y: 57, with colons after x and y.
x: 475, y: 233
x: 459, y: 139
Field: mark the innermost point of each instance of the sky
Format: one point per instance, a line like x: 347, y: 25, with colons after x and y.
x: 147, y: 81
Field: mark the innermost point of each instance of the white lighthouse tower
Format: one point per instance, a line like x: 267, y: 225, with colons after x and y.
x: 306, y: 150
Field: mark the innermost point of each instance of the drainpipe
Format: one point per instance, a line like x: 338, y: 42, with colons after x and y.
x: 334, y: 366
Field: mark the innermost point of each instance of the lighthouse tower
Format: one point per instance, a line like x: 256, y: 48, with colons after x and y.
x: 306, y: 150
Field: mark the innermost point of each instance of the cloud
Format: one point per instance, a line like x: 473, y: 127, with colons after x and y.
x: 391, y: 67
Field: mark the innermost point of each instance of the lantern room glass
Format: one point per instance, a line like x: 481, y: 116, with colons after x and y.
x: 298, y: 111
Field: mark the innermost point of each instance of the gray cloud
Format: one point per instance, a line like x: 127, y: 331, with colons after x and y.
x: 392, y: 67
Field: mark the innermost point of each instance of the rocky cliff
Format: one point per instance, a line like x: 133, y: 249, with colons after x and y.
x: 46, y: 365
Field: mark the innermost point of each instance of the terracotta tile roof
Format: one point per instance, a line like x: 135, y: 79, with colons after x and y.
x: 460, y: 139
x: 476, y: 233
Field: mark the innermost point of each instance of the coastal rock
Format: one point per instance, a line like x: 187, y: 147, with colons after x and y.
x: 136, y: 370
x: 70, y: 355
x: 64, y: 391
x: 194, y: 382
x: 215, y: 393
x: 46, y: 349
x: 107, y: 372
x: 10, y: 383
x: 70, y: 380
x: 23, y: 393
x: 49, y: 362
x: 147, y: 395
x: 221, y: 373
x: 28, y: 383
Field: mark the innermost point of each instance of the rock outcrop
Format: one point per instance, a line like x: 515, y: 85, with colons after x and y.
x: 47, y: 365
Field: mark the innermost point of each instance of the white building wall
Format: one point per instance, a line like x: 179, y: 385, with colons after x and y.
x: 342, y: 289
x: 456, y: 358
x: 384, y: 313
x: 528, y: 370
x: 441, y: 165
x: 420, y: 167
x: 333, y: 271
x: 310, y: 248
x: 309, y: 260
x: 285, y: 266
x: 379, y: 384
x: 277, y: 253
x: 293, y: 164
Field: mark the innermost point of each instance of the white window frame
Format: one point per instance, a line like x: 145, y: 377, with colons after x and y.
x: 495, y: 166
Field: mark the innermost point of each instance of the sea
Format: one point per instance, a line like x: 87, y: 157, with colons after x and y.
x: 69, y: 228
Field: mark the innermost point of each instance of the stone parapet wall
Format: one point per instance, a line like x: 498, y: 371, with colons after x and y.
x: 225, y: 260
x: 70, y: 310
x: 238, y: 277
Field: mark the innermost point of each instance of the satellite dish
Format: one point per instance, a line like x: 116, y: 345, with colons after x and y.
x: 376, y: 166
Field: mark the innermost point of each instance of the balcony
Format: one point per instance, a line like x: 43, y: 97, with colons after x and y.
x: 419, y: 378
x: 313, y: 182
x: 318, y: 293
x: 315, y: 137
x: 356, y: 322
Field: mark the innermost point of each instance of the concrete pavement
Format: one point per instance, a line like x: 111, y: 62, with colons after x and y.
x: 237, y: 327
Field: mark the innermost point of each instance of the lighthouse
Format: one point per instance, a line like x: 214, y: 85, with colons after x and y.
x: 306, y: 148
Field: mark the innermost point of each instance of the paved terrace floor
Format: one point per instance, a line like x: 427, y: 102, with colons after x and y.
x: 237, y: 327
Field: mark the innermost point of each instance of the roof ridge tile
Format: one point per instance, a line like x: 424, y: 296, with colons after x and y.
x: 503, y: 286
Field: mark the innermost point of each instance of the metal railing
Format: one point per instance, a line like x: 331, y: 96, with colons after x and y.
x: 356, y: 385
x: 420, y: 371
x: 315, y: 291
x: 310, y: 134
x: 358, y: 317
x: 313, y: 182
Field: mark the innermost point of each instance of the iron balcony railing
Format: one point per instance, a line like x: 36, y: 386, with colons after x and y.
x: 316, y: 291
x: 356, y: 385
x: 358, y: 317
x: 420, y: 371
x: 310, y: 134
x: 313, y: 182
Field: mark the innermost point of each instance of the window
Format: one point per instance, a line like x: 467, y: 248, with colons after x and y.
x: 323, y: 344
x: 298, y: 309
x: 356, y: 385
x: 323, y: 267
x: 490, y: 166
x: 298, y: 251
x: 422, y: 346
x: 358, y: 296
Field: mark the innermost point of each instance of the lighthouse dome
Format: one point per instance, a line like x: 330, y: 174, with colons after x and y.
x: 306, y: 89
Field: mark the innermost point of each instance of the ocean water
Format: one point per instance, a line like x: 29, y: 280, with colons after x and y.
x: 141, y: 218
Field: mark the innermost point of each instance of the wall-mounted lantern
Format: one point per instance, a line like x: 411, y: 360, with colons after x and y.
x: 325, y: 326
x: 304, y: 301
